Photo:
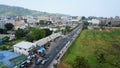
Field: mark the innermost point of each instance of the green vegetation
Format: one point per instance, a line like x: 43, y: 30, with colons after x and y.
x: 67, y: 30
x: 2, y: 65
x: 80, y: 62
x: 3, y: 31
x: 9, y: 45
x: 100, y: 49
x: 20, y: 33
x: 19, y: 11
x: 47, y: 32
x: 35, y: 34
x: 23, y: 35
x: 85, y: 26
x: 5, y: 47
x: 9, y: 26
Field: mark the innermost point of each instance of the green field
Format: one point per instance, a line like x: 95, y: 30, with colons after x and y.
x: 91, y: 43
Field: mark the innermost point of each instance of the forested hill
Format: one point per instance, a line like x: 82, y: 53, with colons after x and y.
x: 6, y: 10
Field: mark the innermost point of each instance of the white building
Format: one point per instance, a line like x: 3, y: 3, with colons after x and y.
x: 23, y: 47
x: 94, y: 21
x: 2, y: 24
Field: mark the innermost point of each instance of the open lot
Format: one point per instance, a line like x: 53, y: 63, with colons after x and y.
x: 92, y: 43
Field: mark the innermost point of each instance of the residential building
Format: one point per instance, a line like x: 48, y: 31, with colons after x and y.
x: 76, y: 18
x: 6, y: 57
x: 94, y: 22
x: 2, y: 24
x: 23, y: 47
x: 4, y: 20
x: 20, y: 24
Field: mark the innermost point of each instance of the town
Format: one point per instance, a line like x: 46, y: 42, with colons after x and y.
x: 20, y: 52
x: 17, y: 45
x: 59, y: 34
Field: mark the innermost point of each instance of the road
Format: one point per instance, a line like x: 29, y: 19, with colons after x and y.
x: 53, y: 53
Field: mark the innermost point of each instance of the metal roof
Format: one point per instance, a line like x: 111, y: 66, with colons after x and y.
x: 6, y: 56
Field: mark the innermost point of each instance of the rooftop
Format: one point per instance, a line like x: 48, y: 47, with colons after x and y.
x: 6, y: 56
x: 24, y: 45
x: 19, y: 23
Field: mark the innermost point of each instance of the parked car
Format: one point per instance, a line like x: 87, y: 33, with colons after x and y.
x: 44, y: 61
x: 38, y: 61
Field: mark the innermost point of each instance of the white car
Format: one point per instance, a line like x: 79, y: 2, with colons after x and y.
x: 38, y: 61
x: 44, y: 61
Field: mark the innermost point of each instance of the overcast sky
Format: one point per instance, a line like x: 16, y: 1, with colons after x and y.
x: 104, y: 8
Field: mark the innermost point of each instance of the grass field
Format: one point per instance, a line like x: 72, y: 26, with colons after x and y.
x: 92, y: 42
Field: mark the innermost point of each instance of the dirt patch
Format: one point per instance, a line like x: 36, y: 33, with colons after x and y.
x: 116, y: 46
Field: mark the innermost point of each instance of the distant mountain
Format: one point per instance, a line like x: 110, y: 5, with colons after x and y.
x: 20, y: 11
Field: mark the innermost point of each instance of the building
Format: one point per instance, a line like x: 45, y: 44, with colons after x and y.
x: 94, y: 22
x: 32, y: 21
x: 3, y: 21
x: 2, y: 24
x: 76, y: 18
x: 43, y: 18
x: 24, y: 47
x: 6, y: 57
x: 20, y: 24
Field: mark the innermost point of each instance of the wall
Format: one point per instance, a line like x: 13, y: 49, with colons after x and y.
x: 21, y: 51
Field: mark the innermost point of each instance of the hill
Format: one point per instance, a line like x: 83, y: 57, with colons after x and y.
x: 6, y: 10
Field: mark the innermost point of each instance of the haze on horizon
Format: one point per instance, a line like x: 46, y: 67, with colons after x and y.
x: 104, y: 8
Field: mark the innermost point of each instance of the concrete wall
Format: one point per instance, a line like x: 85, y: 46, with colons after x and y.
x: 20, y: 51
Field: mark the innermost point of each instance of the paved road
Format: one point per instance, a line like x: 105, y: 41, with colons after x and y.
x: 53, y: 53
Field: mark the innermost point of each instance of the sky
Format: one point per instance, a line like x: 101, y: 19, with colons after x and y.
x: 103, y: 8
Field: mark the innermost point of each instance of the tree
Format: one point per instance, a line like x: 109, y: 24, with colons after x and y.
x: 83, y: 18
x: 67, y: 28
x: 25, y: 20
x: 3, y: 48
x: 109, y: 23
x: 19, y: 33
x: 80, y: 62
x: 85, y: 25
x: 3, y: 31
x: 47, y: 32
x: 36, y: 34
x: 9, y: 26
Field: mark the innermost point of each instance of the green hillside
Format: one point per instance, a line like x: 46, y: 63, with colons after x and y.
x: 19, y: 11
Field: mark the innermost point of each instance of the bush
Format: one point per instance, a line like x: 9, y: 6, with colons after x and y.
x: 80, y: 62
